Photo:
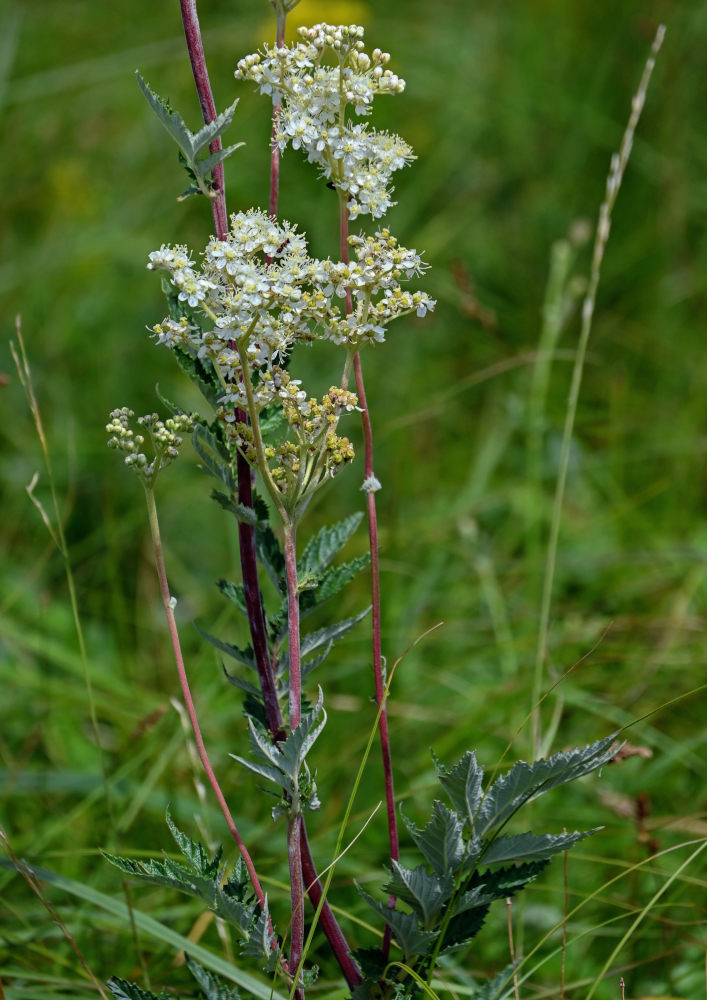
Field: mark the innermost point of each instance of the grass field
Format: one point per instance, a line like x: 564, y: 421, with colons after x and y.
x: 513, y: 112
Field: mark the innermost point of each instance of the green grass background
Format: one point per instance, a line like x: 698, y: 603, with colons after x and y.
x: 514, y: 111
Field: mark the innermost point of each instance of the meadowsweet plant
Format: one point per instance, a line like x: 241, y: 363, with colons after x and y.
x: 238, y: 310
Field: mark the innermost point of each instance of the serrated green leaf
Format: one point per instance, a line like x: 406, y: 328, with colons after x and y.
x: 200, y: 877
x: 207, y: 164
x: 270, y: 555
x: 122, y: 989
x: 426, y: 894
x: 245, y: 656
x: 241, y: 683
x: 371, y: 961
x: 308, y: 666
x: 261, y: 941
x: 526, y: 781
x: 242, y: 513
x: 207, y: 133
x: 531, y: 847
x: 214, y: 457
x: 483, y: 888
x: 321, y: 549
x: 235, y: 592
x: 210, y: 985
x: 195, y: 853
x: 324, y: 636
x: 412, y: 939
x: 173, y: 408
x: 199, y: 371
x: 462, y: 783
x: 498, y: 987
x: 330, y: 583
x: 282, y: 762
x: 441, y: 840
x: 171, y: 120
x: 463, y: 927
x: 189, y: 143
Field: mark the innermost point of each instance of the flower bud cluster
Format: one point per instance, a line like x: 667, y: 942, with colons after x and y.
x: 317, y: 453
x: 164, y: 435
x: 315, y: 95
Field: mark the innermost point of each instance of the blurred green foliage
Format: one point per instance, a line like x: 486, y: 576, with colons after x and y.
x: 513, y: 111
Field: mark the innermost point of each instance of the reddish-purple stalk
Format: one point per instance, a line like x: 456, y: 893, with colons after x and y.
x: 294, y: 826
x: 375, y: 588
x: 189, y: 701
x: 246, y: 534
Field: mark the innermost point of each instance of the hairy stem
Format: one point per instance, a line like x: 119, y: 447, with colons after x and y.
x: 294, y: 857
x: 293, y: 624
x: 186, y: 693
x: 337, y: 942
x: 375, y: 583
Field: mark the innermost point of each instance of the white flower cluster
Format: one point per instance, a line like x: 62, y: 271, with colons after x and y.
x: 374, y: 281
x: 355, y: 159
x: 256, y: 294
x: 260, y: 286
x: 164, y: 435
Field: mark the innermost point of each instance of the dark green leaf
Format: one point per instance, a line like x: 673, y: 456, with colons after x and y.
x: 499, y: 986
x: 124, y: 990
x: 326, y: 543
x: 526, y: 781
x: 323, y: 637
x: 200, y: 372
x: 441, y: 840
x: 261, y: 942
x: 425, y: 893
x: 214, y: 457
x: 195, y: 854
x: 235, y: 592
x: 531, y: 847
x: 245, y: 656
x: 330, y: 583
x: 282, y: 762
x: 412, y: 939
x: 210, y: 985
x: 171, y: 120
x: 270, y: 555
x: 462, y: 783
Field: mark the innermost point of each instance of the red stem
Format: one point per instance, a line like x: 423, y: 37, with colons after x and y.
x: 294, y: 858
x: 375, y: 589
x: 293, y: 626
x: 246, y: 534
x: 192, y: 32
x: 188, y: 700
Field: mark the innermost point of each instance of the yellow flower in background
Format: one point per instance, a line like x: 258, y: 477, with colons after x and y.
x: 313, y: 12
